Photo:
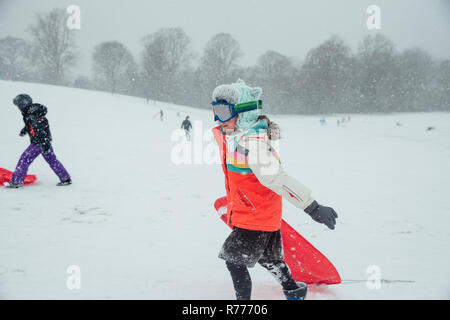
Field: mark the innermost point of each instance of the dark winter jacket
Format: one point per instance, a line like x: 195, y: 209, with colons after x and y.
x: 37, y: 126
x: 186, y: 125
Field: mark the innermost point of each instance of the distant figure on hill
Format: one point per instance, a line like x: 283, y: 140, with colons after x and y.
x: 187, y: 126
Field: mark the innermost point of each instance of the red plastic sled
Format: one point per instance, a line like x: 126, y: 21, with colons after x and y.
x: 6, y: 175
x: 307, y: 264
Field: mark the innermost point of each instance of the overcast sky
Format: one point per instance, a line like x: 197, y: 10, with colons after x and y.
x: 291, y: 27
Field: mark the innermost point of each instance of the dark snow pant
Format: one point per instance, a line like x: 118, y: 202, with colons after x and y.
x: 188, y: 134
x: 28, y: 156
x: 244, y: 248
x: 242, y: 281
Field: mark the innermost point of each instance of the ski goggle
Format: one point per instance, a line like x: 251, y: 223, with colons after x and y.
x: 224, y: 111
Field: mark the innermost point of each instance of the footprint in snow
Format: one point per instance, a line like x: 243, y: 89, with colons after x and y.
x: 87, y: 215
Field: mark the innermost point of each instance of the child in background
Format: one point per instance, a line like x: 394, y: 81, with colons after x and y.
x: 38, y: 129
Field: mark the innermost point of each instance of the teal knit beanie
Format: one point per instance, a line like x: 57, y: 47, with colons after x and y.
x: 237, y: 93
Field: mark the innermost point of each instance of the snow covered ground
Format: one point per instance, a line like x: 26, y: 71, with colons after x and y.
x: 140, y: 226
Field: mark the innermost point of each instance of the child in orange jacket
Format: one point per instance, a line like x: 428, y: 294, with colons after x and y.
x: 255, y: 183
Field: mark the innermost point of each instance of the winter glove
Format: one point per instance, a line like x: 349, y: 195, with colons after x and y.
x: 322, y: 214
x: 23, y: 132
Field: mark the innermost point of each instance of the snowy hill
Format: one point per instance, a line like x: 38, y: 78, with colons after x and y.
x: 140, y: 226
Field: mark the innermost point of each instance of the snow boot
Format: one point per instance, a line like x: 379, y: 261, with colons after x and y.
x: 64, y: 183
x: 12, y: 185
x: 297, y: 294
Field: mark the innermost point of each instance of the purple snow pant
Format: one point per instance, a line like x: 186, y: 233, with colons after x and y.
x: 28, y: 156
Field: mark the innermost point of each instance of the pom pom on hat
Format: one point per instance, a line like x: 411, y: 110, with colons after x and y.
x: 236, y: 93
x: 227, y: 93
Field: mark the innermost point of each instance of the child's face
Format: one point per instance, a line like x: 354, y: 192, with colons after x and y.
x: 230, y: 125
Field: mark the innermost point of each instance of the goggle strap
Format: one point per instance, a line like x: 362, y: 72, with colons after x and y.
x: 215, y: 103
x: 247, y: 106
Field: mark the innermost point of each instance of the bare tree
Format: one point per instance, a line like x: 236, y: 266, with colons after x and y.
x: 113, y: 67
x: 441, y: 86
x: 277, y: 75
x: 53, y: 46
x: 220, y: 56
x: 166, y: 53
x: 325, y: 76
x: 14, y: 58
x: 217, y: 64
x: 415, y: 72
x: 376, y: 73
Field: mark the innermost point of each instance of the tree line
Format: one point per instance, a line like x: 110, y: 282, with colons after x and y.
x: 330, y: 79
